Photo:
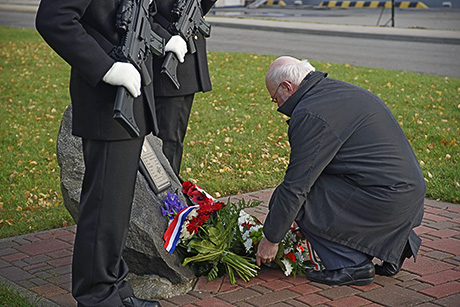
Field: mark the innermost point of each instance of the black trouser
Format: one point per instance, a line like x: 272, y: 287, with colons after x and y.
x: 334, y: 255
x: 98, y: 270
x: 172, y: 117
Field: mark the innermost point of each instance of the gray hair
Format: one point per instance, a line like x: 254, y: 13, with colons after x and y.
x: 292, y: 72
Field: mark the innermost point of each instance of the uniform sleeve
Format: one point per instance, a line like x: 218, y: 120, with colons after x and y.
x: 158, y: 29
x: 206, y: 5
x: 313, y: 146
x: 58, y: 22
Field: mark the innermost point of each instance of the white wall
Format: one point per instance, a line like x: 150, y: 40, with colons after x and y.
x: 229, y: 3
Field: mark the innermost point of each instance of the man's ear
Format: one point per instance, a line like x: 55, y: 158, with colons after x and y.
x: 287, y: 85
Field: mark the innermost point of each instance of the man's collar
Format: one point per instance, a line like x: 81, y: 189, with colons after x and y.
x: 307, y: 83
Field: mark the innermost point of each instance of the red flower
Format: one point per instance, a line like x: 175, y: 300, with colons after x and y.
x: 187, y: 187
x: 196, y: 222
x: 290, y: 256
x: 247, y: 225
x: 192, y: 227
x: 207, y: 206
x: 197, y: 197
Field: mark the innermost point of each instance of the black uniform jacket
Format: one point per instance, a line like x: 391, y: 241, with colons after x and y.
x: 352, y: 176
x: 63, y: 25
x: 193, y: 74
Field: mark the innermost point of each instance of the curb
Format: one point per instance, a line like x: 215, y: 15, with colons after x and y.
x: 395, y: 34
x: 369, y: 32
x: 374, y: 4
x: 18, y: 8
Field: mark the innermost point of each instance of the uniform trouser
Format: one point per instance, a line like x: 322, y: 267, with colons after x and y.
x: 333, y: 255
x: 172, y: 118
x: 98, y: 269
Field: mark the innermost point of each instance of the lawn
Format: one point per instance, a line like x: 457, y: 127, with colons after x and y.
x: 236, y: 141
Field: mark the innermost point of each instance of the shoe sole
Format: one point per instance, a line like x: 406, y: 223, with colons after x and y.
x: 359, y: 282
x: 385, y: 273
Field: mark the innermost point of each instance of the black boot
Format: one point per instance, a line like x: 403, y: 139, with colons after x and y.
x: 390, y: 269
x: 133, y: 301
x: 359, y: 275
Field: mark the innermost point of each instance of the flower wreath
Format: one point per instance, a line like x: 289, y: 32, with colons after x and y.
x: 217, y: 238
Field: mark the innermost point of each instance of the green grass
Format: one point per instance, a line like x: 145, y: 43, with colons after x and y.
x: 236, y: 141
x: 34, y: 93
x: 12, y: 298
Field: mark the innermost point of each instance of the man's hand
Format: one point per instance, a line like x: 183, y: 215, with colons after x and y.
x: 266, y: 251
x: 124, y: 74
x: 177, y: 45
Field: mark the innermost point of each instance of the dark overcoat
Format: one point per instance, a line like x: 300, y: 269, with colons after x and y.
x: 63, y: 25
x: 193, y: 73
x: 352, y: 176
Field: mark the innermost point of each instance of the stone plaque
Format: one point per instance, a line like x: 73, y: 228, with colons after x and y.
x: 152, y: 168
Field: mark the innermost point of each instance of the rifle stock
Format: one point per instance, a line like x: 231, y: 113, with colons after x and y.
x: 189, y: 22
x: 123, y: 111
x: 169, y: 67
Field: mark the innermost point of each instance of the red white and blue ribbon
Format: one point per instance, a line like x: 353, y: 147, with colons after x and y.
x: 172, y: 234
x: 313, y: 259
x: 205, y: 193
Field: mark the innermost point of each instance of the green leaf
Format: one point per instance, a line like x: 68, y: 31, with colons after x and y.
x: 214, y: 235
x: 204, y: 246
x: 203, y: 257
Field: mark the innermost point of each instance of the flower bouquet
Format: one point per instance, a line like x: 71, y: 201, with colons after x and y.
x: 218, y: 238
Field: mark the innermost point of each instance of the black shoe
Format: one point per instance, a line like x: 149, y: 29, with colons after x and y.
x: 359, y: 275
x: 133, y: 301
x: 390, y: 269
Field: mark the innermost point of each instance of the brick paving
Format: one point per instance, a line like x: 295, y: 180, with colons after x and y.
x: 39, y: 265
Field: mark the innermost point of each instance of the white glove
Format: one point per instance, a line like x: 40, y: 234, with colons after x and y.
x: 177, y: 45
x: 124, y: 74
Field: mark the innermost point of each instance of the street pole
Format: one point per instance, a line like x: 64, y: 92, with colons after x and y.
x: 393, y: 13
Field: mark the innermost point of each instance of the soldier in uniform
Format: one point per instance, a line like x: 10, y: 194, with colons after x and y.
x: 77, y: 30
x: 173, y: 105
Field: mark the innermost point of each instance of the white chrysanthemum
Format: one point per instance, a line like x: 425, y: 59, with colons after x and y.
x: 184, y: 234
x: 248, y: 245
x: 299, y: 257
x: 287, y: 266
x: 290, y: 236
x: 288, y: 249
x: 245, y: 235
x: 244, y: 218
x: 256, y: 228
x: 192, y: 214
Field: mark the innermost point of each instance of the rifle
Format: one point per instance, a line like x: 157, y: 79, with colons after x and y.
x: 137, y: 42
x: 189, y: 20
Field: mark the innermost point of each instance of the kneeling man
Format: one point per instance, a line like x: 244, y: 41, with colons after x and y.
x: 353, y: 184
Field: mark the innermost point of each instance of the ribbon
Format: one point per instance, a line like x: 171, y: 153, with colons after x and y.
x: 313, y: 259
x: 172, y: 234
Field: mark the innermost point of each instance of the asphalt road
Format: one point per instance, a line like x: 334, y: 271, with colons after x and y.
x: 404, y: 18
x: 17, y: 19
x: 429, y: 58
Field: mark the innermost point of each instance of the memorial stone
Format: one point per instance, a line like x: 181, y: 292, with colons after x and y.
x: 154, y: 272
